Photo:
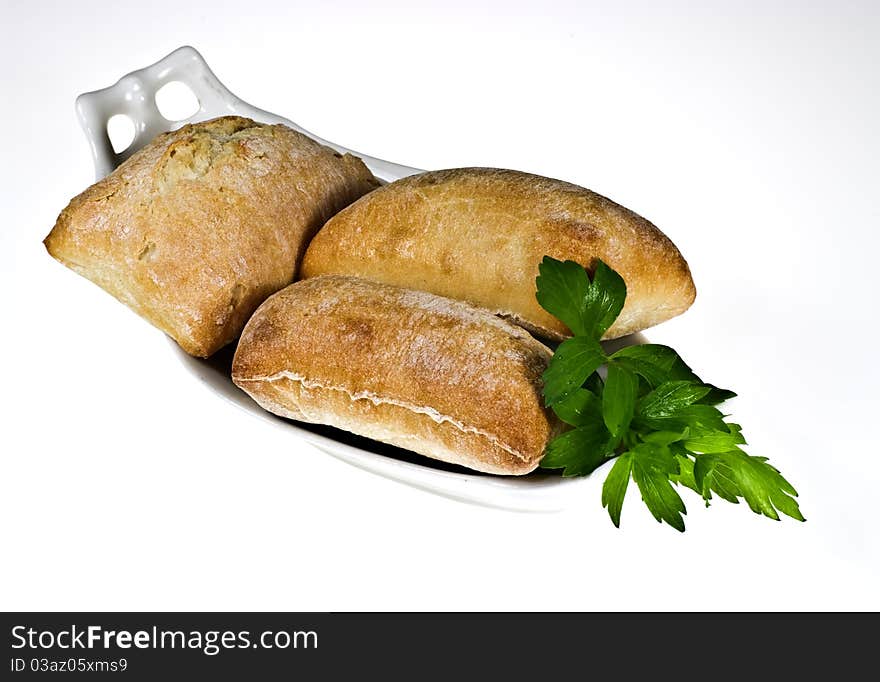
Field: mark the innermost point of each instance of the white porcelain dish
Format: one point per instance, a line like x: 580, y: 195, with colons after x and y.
x: 134, y: 96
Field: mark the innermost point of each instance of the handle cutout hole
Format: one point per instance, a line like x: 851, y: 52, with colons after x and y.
x: 120, y: 130
x: 176, y: 102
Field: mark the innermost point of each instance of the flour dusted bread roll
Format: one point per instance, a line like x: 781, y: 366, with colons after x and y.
x: 195, y: 230
x: 478, y: 235
x: 425, y: 373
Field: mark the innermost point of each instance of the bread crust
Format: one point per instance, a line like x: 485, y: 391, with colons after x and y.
x: 435, y: 376
x: 478, y: 235
x: 196, y: 229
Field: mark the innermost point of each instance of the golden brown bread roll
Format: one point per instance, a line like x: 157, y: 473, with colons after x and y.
x: 425, y: 373
x: 478, y: 235
x: 196, y: 229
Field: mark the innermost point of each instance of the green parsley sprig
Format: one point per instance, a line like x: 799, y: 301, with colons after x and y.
x: 650, y: 412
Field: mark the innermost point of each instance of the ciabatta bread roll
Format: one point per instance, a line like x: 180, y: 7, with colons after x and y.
x: 425, y: 373
x: 478, y: 235
x: 196, y: 229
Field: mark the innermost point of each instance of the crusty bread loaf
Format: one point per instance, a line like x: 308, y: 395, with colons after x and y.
x: 196, y: 229
x: 478, y: 235
x: 425, y: 373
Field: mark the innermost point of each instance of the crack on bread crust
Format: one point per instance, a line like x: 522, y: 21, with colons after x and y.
x: 376, y: 399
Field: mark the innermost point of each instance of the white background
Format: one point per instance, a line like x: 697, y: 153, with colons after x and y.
x: 747, y: 132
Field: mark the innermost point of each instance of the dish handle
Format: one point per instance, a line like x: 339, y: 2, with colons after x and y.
x: 134, y: 96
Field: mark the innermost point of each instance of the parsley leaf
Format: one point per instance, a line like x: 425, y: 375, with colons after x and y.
x: 587, y: 308
x: 715, y: 442
x: 664, y: 437
x: 605, y: 299
x: 697, y: 418
x: 619, y: 399
x: 652, y: 412
x: 579, y: 451
x: 574, y: 361
x: 670, y: 397
x: 735, y: 474
x: 652, y: 467
x: 580, y: 407
x: 657, y: 364
x: 712, y: 474
x: 562, y: 292
x: 614, y: 489
x: 654, y: 362
x: 685, y: 475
